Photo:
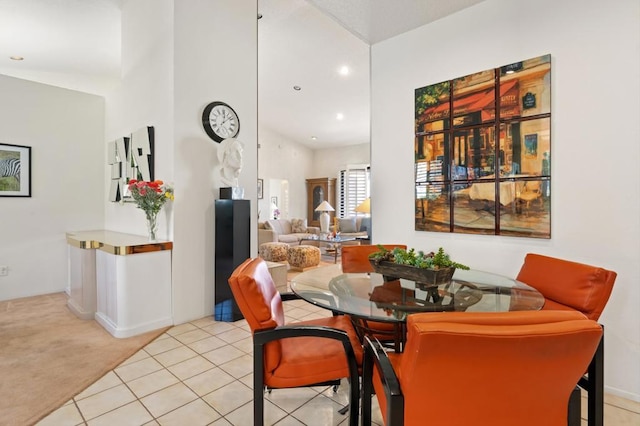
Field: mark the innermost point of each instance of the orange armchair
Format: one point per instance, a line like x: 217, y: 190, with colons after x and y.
x: 568, y: 285
x: 463, y: 368
x: 355, y: 259
x: 574, y: 286
x: 306, y: 353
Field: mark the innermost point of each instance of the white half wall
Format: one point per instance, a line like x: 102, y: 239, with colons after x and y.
x: 65, y: 130
x: 595, y: 132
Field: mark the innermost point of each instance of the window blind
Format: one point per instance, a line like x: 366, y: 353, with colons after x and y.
x: 353, y: 189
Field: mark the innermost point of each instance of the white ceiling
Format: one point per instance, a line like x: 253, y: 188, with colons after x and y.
x: 374, y: 21
x: 76, y: 44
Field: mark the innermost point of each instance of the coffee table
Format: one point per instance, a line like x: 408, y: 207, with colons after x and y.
x: 334, y: 244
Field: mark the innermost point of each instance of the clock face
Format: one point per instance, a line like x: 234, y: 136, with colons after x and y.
x: 220, y: 121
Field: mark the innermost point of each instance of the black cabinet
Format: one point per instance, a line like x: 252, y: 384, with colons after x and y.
x: 233, y: 241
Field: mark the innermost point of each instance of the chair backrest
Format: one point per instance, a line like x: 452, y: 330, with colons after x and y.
x: 260, y: 303
x: 355, y: 259
x: 494, y: 368
x: 568, y: 285
x: 532, y: 186
x: 256, y: 295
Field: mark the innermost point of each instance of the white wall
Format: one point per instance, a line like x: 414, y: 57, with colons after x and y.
x: 65, y: 131
x: 595, y: 151
x: 282, y: 158
x: 328, y: 162
x: 215, y: 59
x: 144, y: 98
x: 172, y: 68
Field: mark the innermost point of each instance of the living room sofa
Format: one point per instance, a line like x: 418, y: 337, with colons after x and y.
x: 353, y: 227
x: 289, y: 231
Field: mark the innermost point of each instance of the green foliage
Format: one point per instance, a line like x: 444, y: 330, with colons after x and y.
x: 429, y: 95
x: 418, y: 259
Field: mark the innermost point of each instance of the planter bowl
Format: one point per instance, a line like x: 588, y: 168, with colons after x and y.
x: 424, y: 278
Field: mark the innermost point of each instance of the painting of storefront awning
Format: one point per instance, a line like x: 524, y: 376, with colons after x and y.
x: 482, y: 150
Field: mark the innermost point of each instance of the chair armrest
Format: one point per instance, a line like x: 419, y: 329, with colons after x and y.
x: 375, y: 356
x: 261, y: 338
x: 289, y: 296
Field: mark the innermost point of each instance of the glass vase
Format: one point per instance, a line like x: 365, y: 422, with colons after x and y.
x: 152, y: 225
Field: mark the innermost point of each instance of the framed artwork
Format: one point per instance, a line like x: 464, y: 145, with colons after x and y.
x: 504, y: 143
x: 260, y: 190
x: 531, y: 146
x: 130, y: 157
x: 15, y: 171
x: 274, y: 201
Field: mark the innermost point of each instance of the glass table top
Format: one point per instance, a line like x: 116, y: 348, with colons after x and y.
x: 368, y: 296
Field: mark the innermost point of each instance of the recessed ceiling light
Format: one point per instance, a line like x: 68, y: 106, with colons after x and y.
x: 16, y: 58
x: 313, y: 138
x: 297, y: 88
x: 340, y: 116
x: 344, y: 70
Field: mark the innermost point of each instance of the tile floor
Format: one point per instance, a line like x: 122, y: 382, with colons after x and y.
x: 200, y: 373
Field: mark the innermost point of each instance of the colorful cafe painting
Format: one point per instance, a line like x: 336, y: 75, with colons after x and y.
x: 483, y: 152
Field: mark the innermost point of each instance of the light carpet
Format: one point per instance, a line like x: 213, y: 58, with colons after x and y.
x: 48, y: 355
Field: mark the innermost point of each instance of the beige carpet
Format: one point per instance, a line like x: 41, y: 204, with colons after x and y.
x: 48, y: 355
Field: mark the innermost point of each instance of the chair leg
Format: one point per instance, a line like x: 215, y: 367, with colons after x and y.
x: 595, y: 399
x: 258, y: 385
x: 354, y: 400
x: 367, y: 387
x: 574, y: 413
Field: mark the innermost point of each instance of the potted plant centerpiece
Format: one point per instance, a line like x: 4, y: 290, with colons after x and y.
x: 427, y: 270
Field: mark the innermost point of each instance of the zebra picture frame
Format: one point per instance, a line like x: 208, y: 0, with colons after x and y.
x: 15, y: 170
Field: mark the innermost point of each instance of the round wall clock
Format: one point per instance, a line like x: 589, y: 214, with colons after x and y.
x: 220, y: 121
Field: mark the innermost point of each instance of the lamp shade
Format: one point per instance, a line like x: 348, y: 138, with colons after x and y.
x: 324, y: 207
x: 365, y: 206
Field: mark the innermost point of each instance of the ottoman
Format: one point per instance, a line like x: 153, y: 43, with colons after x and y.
x: 273, y: 252
x: 303, y: 256
x: 278, y: 273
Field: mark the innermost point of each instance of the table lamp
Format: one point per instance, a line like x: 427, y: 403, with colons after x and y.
x: 324, y: 207
x: 365, y: 223
x: 365, y: 206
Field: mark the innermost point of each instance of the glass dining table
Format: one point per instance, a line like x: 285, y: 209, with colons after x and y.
x: 370, y: 297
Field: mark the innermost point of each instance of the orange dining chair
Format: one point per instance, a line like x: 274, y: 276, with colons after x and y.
x: 315, y: 352
x: 482, y: 368
x: 574, y: 286
x: 355, y: 259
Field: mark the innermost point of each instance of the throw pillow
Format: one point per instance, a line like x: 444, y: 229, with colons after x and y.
x: 347, y: 225
x: 298, y: 226
x: 365, y: 224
